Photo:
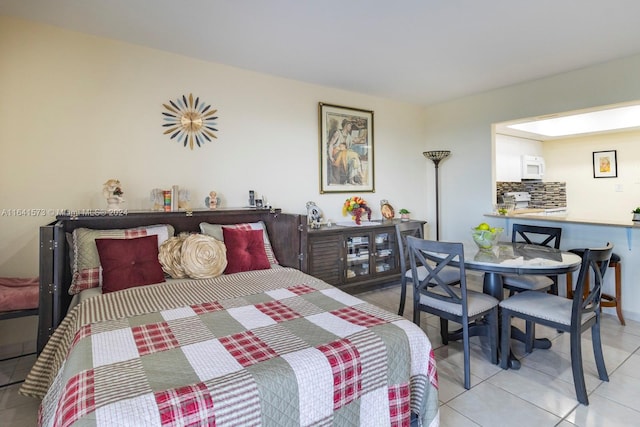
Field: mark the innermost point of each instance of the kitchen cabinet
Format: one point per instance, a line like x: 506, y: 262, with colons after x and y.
x: 354, y: 258
x: 509, y: 152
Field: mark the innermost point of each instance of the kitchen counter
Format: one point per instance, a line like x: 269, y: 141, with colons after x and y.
x: 580, y: 231
x: 567, y: 218
x: 556, y: 216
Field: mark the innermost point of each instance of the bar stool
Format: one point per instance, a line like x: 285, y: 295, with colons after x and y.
x: 607, y: 300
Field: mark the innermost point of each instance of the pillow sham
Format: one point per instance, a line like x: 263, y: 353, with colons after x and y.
x: 215, y: 230
x: 127, y: 263
x: 85, y: 262
x: 245, y: 250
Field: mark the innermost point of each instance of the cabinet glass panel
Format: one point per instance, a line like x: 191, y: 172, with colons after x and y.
x: 358, y: 256
x: 385, y: 259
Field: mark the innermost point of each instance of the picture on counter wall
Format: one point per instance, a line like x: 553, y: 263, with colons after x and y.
x: 346, y: 149
x: 605, y: 164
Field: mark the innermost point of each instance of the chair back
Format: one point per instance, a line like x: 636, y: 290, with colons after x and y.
x: 596, y: 260
x: 404, y: 229
x: 434, y: 285
x: 536, y: 235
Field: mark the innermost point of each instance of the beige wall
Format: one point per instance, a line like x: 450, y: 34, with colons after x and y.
x: 571, y: 160
x: 77, y: 110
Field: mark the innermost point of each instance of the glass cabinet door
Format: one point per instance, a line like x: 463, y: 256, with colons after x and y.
x: 385, y: 257
x: 358, y: 256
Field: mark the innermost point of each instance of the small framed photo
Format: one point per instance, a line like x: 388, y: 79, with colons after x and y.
x: 605, y: 164
x: 346, y: 149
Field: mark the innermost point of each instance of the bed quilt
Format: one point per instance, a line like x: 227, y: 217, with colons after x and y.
x: 272, y: 348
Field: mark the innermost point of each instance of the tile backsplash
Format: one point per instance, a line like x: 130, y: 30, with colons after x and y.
x: 544, y: 195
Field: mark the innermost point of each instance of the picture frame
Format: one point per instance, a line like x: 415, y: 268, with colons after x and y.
x: 345, y: 149
x: 605, y: 164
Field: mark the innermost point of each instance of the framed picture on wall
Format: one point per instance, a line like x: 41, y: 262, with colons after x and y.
x: 346, y: 149
x: 605, y: 164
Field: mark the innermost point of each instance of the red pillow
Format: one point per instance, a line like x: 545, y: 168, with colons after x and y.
x: 245, y: 250
x: 129, y: 262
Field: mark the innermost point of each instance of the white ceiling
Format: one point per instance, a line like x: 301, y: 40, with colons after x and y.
x: 418, y: 51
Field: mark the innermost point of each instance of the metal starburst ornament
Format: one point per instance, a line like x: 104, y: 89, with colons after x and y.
x: 189, y: 121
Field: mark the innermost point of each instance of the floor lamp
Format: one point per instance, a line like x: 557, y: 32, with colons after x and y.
x: 437, y: 157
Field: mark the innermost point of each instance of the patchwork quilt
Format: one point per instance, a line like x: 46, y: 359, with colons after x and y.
x: 262, y: 348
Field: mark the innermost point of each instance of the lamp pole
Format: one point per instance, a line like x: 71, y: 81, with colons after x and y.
x: 437, y: 156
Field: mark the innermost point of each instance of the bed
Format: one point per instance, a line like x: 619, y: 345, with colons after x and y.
x: 272, y: 346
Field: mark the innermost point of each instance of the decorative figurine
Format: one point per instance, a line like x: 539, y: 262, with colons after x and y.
x: 112, y: 191
x: 212, y: 200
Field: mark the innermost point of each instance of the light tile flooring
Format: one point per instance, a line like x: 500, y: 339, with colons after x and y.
x: 541, y: 393
x: 16, y: 410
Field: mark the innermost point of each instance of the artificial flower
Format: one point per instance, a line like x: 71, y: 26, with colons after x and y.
x: 356, y: 206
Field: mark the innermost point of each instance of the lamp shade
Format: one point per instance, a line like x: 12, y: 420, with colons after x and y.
x: 437, y: 155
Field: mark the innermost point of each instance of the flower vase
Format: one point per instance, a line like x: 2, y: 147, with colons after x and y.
x: 636, y: 216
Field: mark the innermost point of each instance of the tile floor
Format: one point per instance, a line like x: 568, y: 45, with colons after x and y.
x: 16, y: 410
x: 541, y: 393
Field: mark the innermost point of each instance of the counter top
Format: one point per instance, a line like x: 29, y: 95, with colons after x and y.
x: 541, y: 215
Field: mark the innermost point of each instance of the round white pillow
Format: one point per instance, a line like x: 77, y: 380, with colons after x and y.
x: 203, y: 256
x: 170, y: 257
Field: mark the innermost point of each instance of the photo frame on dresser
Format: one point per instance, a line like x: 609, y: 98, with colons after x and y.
x: 605, y: 164
x: 346, y: 149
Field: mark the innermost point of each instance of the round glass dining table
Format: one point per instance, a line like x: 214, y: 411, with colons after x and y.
x: 515, y: 258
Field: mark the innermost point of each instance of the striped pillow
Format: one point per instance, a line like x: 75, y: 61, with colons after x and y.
x: 85, y: 261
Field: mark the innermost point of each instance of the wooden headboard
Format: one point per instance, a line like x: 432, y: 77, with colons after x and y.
x: 285, y: 232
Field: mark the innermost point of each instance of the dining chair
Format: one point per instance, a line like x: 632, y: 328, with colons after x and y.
x: 573, y: 316
x: 458, y: 304
x: 533, y: 235
x: 414, y: 228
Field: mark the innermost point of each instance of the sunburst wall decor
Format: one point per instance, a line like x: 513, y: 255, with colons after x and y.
x: 190, y: 121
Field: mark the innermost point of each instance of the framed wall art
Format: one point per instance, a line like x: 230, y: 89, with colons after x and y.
x: 605, y: 164
x: 346, y: 149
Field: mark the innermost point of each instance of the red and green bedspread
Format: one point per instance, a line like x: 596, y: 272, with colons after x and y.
x: 272, y: 348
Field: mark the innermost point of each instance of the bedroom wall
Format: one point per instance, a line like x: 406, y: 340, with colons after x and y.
x: 77, y: 110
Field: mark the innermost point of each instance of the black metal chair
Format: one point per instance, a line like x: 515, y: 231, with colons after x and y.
x: 413, y: 228
x: 534, y: 235
x: 448, y: 302
x: 572, y: 316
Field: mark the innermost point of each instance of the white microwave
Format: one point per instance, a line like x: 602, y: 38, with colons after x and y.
x: 532, y: 167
